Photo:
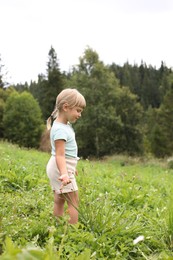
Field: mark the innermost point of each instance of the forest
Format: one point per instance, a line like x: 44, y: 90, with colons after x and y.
x: 129, y: 108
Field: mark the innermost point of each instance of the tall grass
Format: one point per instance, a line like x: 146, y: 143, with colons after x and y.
x: 121, y: 200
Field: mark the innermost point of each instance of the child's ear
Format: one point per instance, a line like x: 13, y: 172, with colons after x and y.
x: 65, y: 106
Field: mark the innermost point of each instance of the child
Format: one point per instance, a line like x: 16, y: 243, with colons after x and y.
x: 61, y: 168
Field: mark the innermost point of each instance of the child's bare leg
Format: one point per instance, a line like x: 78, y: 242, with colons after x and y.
x: 58, y: 205
x: 73, y: 202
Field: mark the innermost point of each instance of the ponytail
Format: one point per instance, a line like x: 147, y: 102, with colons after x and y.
x: 52, y: 117
x: 49, y: 123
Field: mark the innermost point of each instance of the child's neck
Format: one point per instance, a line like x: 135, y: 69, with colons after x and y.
x: 61, y: 119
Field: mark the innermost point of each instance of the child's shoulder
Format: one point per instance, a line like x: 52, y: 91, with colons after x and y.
x: 60, y: 126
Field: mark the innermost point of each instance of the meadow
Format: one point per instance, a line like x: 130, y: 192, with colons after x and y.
x: 125, y: 212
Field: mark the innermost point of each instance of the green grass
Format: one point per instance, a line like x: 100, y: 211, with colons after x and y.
x: 121, y: 198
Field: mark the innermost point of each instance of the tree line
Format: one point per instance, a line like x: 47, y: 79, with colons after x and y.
x: 129, y: 108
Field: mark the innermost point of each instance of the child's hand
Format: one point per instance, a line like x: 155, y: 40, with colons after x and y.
x: 65, y: 179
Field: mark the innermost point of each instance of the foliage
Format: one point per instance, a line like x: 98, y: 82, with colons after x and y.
x: 121, y: 198
x: 115, y: 96
x: 49, y: 86
x: 111, y: 120
x: 130, y: 112
x: 160, y: 130
x: 1, y: 74
x: 22, y: 87
x: 4, y: 94
x: 22, y: 120
x: 148, y: 83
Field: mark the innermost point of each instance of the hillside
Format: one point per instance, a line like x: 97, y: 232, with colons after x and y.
x: 125, y: 209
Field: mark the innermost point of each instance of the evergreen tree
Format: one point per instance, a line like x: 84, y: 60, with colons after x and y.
x: 22, y: 87
x: 148, y: 83
x: 161, y: 128
x: 1, y: 74
x: 48, y: 86
x: 55, y: 82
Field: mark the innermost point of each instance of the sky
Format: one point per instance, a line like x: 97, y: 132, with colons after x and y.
x: 118, y: 30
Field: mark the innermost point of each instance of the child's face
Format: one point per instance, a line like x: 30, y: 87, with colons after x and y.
x: 74, y: 114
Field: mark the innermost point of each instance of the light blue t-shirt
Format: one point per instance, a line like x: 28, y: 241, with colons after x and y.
x: 65, y: 132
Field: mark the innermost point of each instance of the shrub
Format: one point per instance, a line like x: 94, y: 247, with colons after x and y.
x: 22, y: 120
x: 4, y: 94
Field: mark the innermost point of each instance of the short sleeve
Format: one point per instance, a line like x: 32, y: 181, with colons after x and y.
x: 60, y: 134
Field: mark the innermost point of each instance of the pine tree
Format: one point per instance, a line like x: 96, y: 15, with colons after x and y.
x: 1, y: 74
x: 160, y: 131
x: 49, y: 85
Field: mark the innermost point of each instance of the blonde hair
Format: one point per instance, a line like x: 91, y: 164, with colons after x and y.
x: 72, y: 97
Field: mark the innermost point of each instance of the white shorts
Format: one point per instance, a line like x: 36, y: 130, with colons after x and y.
x: 53, y: 175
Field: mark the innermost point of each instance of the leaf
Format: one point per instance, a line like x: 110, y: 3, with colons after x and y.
x: 10, y: 249
x: 85, y: 255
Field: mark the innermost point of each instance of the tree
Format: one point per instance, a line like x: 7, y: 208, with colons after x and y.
x: 1, y: 74
x: 148, y: 83
x: 161, y: 128
x: 97, y: 84
x: 99, y: 132
x: 22, y: 120
x: 4, y: 94
x: 130, y: 112
x: 22, y: 87
x: 48, y: 86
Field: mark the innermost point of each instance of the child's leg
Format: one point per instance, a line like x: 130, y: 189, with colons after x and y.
x: 73, y: 202
x: 59, y: 201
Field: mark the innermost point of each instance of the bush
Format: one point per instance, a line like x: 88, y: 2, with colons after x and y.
x: 22, y: 120
x: 4, y: 94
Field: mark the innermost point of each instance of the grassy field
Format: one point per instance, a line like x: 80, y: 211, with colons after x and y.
x: 126, y: 209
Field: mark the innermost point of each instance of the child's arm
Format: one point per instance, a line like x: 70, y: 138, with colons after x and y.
x: 60, y: 161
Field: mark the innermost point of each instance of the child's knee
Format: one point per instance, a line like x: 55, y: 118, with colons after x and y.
x: 58, y: 199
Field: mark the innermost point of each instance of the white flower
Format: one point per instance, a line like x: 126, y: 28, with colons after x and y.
x: 138, y: 239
